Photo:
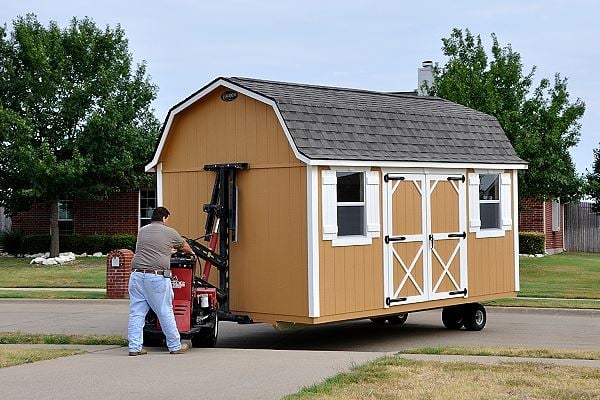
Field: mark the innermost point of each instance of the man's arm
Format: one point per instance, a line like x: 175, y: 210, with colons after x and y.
x: 185, y: 247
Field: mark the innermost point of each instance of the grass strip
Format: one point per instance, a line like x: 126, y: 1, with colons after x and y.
x: 12, y: 357
x: 31, y: 338
x: 544, y: 303
x: 506, y: 352
x: 50, y: 294
x: 397, y: 378
x: 86, y: 272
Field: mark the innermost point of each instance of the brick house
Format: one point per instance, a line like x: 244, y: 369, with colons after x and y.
x: 122, y: 212
x: 546, y: 217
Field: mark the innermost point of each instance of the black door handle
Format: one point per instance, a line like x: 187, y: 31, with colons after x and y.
x: 456, y: 235
x: 388, y: 239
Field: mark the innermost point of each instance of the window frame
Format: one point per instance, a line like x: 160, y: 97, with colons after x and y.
x: 362, y: 204
x: 498, y: 182
x: 140, y: 198
x: 62, y: 230
x: 505, y: 187
x: 371, y: 205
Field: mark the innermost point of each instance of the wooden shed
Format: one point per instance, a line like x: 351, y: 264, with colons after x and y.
x: 356, y: 204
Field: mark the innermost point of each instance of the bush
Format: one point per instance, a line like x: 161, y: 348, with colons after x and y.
x: 123, y: 241
x: 12, y: 242
x: 79, y: 244
x: 532, y: 243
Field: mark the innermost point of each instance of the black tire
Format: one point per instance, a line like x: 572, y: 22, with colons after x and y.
x: 398, y: 319
x: 152, y: 339
x: 207, y: 337
x: 453, y: 317
x: 475, y: 317
x: 378, y: 320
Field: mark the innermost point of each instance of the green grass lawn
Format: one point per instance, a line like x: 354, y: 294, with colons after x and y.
x: 85, y: 272
x: 565, y: 275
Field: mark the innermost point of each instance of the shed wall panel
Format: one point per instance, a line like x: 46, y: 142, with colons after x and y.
x: 351, y: 277
x: 491, y: 262
x: 268, y: 273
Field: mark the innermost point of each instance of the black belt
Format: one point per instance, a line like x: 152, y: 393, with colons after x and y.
x: 149, y: 271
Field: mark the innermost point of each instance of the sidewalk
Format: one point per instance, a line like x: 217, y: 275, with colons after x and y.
x: 416, y: 357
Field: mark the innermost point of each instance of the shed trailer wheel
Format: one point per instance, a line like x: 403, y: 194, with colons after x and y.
x: 453, y: 317
x: 475, y: 317
x: 207, y: 337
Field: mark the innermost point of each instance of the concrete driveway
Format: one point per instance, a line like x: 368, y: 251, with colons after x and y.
x: 251, y: 361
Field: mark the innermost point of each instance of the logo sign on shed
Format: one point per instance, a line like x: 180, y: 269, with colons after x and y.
x: 229, y: 95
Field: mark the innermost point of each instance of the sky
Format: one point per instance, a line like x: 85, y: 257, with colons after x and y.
x: 373, y: 45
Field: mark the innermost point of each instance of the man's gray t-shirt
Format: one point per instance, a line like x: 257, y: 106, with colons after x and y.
x: 155, y: 243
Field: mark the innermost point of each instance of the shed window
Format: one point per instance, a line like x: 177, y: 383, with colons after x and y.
x: 490, y: 209
x: 350, y: 206
x: 489, y: 201
x: 351, y: 203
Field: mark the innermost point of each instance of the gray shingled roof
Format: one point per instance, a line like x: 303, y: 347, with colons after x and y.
x: 347, y: 124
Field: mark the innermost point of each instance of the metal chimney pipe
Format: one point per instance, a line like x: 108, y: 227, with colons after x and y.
x: 425, y: 77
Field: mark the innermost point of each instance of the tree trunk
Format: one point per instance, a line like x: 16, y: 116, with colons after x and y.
x: 54, y: 227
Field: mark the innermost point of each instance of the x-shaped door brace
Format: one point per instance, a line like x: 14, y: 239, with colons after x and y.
x: 446, y: 267
x: 408, y: 271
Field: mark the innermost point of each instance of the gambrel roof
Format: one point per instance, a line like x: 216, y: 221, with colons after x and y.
x: 331, y: 123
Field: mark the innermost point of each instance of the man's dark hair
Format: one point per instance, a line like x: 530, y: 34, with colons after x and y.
x: 159, y: 213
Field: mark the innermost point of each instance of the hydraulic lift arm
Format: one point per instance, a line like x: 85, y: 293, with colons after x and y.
x: 220, y: 227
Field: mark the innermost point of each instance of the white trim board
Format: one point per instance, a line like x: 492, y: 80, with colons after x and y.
x: 312, y: 201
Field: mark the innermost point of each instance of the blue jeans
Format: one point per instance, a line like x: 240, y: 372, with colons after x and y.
x: 151, y: 291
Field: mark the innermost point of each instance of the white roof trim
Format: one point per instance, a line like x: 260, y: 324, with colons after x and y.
x: 221, y: 82
x: 416, y: 164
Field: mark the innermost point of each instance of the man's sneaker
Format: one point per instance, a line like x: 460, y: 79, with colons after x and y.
x: 138, y: 353
x: 184, y: 347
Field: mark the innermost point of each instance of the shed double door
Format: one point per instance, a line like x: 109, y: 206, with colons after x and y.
x: 425, y: 237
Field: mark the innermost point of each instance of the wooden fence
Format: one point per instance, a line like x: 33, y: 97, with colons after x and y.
x: 582, y: 228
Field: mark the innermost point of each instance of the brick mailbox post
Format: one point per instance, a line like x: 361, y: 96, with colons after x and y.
x: 118, y: 269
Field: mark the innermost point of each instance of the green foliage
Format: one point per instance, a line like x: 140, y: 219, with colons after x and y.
x: 12, y: 242
x: 79, y: 244
x: 593, y: 181
x: 75, y: 116
x: 123, y: 241
x: 532, y: 243
x: 541, y: 124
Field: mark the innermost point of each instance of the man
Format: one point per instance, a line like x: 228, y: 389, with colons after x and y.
x: 148, y: 286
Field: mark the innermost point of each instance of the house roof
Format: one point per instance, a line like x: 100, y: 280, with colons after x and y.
x: 349, y: 124
x: 340, y: 124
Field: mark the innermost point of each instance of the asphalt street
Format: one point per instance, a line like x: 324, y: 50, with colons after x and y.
x: 252, y: 361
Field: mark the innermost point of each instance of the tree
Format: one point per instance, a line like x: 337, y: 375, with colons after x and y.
x: 75, y: 117
x: 541, y: 124
x: 593, y: 181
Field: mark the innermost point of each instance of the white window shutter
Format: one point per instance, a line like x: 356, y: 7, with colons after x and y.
x: 555, y: 215
x: 329, y: 204
x: 474, y: 219
x: 506, y: 195
x: 372, y: 200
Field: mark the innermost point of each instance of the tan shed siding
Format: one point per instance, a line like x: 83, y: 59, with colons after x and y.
x: 351, y: 277
x: 269, y: 272
x: 491, y: 262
